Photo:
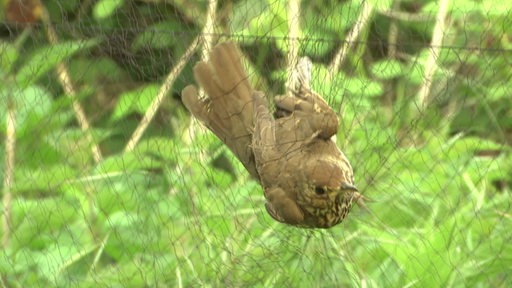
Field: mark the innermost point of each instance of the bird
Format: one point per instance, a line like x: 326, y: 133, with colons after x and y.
x: 307, y: 180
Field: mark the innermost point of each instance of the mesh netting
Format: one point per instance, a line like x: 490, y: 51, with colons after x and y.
x: 107, y: 179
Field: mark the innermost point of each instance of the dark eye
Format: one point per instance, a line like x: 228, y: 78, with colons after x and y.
x: 320, y: 190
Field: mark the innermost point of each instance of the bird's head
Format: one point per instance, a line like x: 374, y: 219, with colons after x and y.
x: 329, y: 192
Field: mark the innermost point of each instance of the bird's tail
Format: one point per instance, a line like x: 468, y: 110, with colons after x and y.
x: 228, y: 108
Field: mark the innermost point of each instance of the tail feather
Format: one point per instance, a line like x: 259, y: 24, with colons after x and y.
x: 228, y: 108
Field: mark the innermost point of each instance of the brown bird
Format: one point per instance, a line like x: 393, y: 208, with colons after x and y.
x: 307, y: 181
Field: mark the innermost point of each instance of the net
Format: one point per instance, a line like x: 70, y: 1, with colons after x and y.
x: 108, y: 181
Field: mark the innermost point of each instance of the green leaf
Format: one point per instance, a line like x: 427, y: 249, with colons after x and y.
x: 72, y: 144
x: 470, y: 145
x: 127, y: 162
x: 161, y: 148
x: 32, y: 104
x: 132, y: 234
x: 105, y: 8
x: 46, y: 58
x: 460, y: 8
x: 158, y: 36
x: 339, y: 16
x: 381, y: 5
x: 493, y: 8
x: 135, y: 101
x: 122, y: 191
x: 43, y: 180
x: 33, y: 220
x: 327, y: 88
x: 244, y: 12
x: 316, y: 47
x: 364, y: 87
x: 99, y: 70
x: 387, y: 69
x: 325, y: 23
x: 54, y: 262
x: 497, y: 92
x: 269, y: 20
x: 8, y: 56
x: 416, y: 72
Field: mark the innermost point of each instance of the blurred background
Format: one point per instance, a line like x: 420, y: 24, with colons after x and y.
x: 107, y: 181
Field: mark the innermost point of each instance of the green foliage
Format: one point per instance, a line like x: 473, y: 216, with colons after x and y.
x: 106, y: 8
x: 180, y: 210
x: 8, y: 56
x: 158, y: 36
x: 267, y: 18
x: 388, y: 69
x: 45, y: 58
x: 33, y: 102
x: 134, y: 101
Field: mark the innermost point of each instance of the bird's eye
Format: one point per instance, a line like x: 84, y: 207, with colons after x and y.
x: 320, y: 190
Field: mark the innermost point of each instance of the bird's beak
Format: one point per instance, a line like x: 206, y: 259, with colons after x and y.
x: 346, y: 186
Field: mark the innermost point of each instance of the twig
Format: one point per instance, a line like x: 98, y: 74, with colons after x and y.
x: 208, y: 31
x: 10, y: 148
x: 362, y: 21
x: 293, y: 39
x: 194, y: 127
x: 404, y: 16
x: 82, y: 10
x: 393, y: 33
x: 164, y: 89
x: 169, y: 81
x: 392, y: 54
x: 67, y: 85
x: 430, y: 65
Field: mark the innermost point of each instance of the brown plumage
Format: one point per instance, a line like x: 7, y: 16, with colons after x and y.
x: 307, y: 180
